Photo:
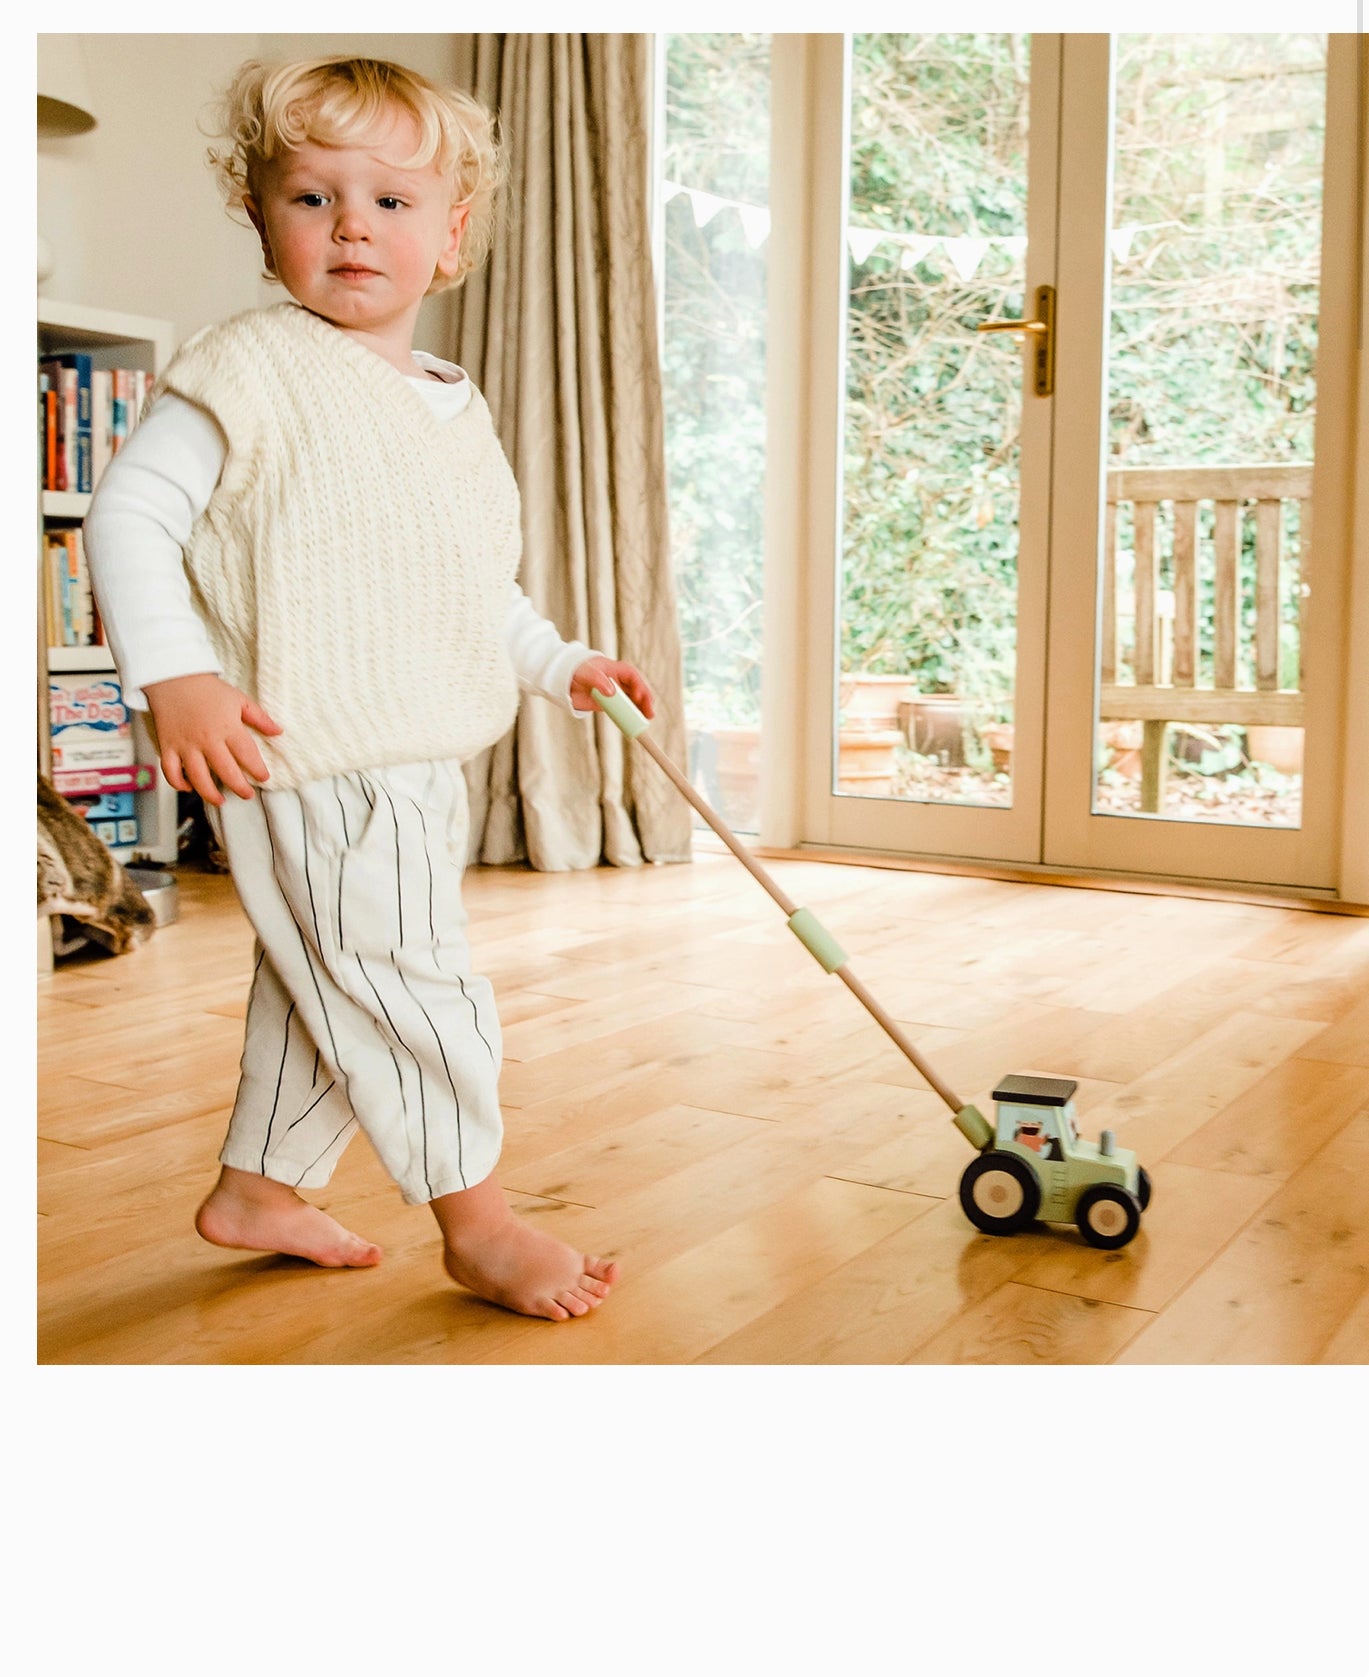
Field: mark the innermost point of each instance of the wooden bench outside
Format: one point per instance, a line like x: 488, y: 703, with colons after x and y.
x: 1172, y: 679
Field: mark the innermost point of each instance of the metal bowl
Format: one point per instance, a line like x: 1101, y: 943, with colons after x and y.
x: 160, y: 890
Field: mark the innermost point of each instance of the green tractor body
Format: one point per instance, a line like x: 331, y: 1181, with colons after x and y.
x: 1034, y: 1165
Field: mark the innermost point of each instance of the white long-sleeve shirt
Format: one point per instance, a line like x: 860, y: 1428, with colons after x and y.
x: 147, y: 501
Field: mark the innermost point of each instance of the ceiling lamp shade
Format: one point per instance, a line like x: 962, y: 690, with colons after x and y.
x: 64, y: 105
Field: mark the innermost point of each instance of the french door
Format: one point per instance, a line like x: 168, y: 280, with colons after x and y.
x: 1074, y: 511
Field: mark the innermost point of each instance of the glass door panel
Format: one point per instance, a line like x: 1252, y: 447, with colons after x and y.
x: 936, y: 243
x: 1206, y: 318
x: 929, y: 736
x: 1215, y: 250
x: 1094, y: 624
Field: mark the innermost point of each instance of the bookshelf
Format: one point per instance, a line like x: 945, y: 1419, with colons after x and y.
x: 111, y: 340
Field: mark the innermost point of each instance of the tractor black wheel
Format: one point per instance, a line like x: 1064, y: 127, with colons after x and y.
x: 1108, y: 1216
x: 1000, y: 1193
x: 1143, y: 1186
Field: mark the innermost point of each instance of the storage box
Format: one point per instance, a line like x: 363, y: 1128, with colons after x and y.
x: 91, y: 726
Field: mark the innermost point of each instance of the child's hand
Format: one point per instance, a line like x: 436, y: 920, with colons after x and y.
x: 606, y: 674
x: 203, y: 734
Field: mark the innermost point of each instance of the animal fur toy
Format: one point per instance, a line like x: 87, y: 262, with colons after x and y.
x: 77, y: 876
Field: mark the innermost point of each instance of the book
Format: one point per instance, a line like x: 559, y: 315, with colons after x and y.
x: 79, y: 365
x: 101, y: 402
x: 129, y: 777
x: 66, y: 427
x: 83, y: 606
x: 47, y: 427
x: 121, y: 392
x: 51, y: 369
x: 70, y: 602
x: 58, y: 592
x: 52, y: 592
x: 91, y: 726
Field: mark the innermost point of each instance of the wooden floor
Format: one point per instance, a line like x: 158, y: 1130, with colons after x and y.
x: 685, y: 1089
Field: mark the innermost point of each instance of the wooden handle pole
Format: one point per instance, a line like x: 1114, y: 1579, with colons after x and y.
x: 893, y: 1030
x: 740, y: 851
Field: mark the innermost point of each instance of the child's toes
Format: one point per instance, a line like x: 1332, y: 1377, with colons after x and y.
x: 599, y: 1270
x: 595, y: 1289
x: 573, y: 1301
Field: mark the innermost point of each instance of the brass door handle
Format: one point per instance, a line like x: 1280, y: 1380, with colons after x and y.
x: 1042, y: 330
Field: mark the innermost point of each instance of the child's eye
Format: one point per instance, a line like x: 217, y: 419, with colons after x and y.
x: 311, y: 199
x: 390, y: 202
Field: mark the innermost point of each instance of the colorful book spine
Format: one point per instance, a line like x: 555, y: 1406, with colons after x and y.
x: 52, y: 368
x: 59, y: 591
x: 101, y: 400
x: 54, y: 561
x: 70, y: 602
x: 66, y: 389
x: 121, y: 395
x: 81, y: 367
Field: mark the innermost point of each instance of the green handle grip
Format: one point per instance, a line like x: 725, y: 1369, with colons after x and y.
x: 620, y: 709
x: 817, y: 940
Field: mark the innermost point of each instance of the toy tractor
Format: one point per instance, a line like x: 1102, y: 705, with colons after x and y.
x: 1036, y: 1166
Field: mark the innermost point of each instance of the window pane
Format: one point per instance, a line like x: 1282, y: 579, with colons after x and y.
x: 716, y: 161
x: 1211, y: 400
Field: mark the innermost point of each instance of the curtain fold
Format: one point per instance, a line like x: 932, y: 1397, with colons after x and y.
x: 559, y: 332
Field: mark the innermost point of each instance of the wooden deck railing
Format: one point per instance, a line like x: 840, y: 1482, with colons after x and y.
x: 1171, y: 678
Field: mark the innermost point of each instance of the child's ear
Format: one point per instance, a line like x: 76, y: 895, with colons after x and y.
x: 456, y: 227
x: 258, y: 220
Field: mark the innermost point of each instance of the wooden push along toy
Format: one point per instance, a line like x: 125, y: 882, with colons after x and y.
x: 1033, y: 1165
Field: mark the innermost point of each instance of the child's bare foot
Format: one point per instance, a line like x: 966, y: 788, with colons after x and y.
x: 501, y: 1259
x: 256, y: 1214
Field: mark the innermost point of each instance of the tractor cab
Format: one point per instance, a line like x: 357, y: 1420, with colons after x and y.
x: 1037, y: 1113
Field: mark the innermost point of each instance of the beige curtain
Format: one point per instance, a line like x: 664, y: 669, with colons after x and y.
x: 559, y: 332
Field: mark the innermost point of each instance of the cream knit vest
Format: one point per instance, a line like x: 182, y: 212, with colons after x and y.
x: 353, y: 564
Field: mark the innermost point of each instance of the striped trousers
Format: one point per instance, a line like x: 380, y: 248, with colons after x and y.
x: 363, y: 1010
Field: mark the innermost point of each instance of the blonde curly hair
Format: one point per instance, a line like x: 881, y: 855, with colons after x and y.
x: 268, y: 108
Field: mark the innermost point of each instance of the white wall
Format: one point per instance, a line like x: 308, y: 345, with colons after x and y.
x: 131, y: 211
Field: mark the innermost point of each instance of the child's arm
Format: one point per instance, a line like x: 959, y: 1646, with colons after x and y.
x: 144, y: 508
x: 563, y: 671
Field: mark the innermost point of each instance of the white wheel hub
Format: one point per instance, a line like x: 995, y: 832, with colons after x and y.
x: 1107, y: 1217
x: 998, y: 1193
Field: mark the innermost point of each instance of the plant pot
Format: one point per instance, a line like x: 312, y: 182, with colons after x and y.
x: 934, y: 725
x: 1280, y: 748
x: 1123, y: 742
x: 997, y: 739
x: 873, y: 701
x: 867, y: 760
x: 732, y: 780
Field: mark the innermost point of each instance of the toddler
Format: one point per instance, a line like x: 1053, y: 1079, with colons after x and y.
x: 305, y: 557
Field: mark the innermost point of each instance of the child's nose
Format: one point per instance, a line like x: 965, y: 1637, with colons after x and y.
x: 351, y: 223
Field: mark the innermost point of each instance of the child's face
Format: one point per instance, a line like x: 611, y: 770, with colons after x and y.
x: 352, y: 235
